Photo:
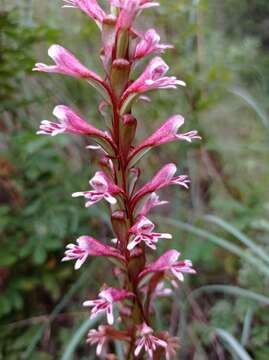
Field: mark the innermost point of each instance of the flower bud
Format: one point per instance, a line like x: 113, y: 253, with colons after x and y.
x: 120, y: 227
x: 128, y: 129
x: 119, y: 76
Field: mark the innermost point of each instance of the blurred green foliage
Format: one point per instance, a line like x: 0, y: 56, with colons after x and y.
x: 221, y: 51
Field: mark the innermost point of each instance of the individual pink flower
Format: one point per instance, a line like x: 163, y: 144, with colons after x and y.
x: 149, y: 44
x: 98, y: 337
x: 90, y: 7
x: 153, y: 78
x: 103, y: 188
x: 151, y: 202
x: 142, y: 231
x: 88, y: 246
x: 142, y: 3
x: 163, y: 178
x: 166, y: 133
x: 148, y: 341
x: 159, y: 291
x: 127, y: 14
x: 172, y: 347
x: 102, y: 335
x: 105, y: 304
x: 70, y: 122
x: 168, y: 263
x: 66, y: 63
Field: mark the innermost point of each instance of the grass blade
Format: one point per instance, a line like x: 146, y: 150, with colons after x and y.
x: 247, y: 327
x: 233, y: 345
x: 225, y: 244
x: 248, y: 99
x: 232, y: 290
x: 77, y: 337
x: 239, y: 235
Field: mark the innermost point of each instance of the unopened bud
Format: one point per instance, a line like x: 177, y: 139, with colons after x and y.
x: 119, y: 75
x: 128, y: 129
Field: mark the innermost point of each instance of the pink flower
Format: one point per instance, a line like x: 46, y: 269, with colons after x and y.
x: 71, y: 122
x: 151, y: 202
x: 150, y: 43
x: 163, y: 178
x: 127, y: 14
x: 98, y: 337
x: 153, y: 78
x: 147, y: 341
x: 168, y: 263
x: 66, y: 63
x: 165, y: 134
x: 143, y: 231
x: 143, y: 4
x: 103, y: 188
x: 90, y: 7
x: 88, y: 246
x: 104, y: 334
x: 107, y: 297
x: 172, y: 347
x: 159, y: 291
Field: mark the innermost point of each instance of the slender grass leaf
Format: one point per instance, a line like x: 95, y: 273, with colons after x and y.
x: 225, y: 244
x: 248, y: 99
x: 246, y: 327
x: 232, y: 290
x: 77, y: 337
x: 239, y: 235
x: 232, y: 344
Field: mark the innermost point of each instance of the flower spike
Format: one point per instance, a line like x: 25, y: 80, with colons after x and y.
x: 117, y: 178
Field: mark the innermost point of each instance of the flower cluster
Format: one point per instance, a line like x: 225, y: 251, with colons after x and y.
x: 118, y: 181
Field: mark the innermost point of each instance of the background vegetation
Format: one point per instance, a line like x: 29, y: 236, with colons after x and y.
x: 222, y: 224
